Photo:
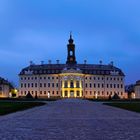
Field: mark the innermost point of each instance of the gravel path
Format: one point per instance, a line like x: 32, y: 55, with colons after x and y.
x: 71, y: 119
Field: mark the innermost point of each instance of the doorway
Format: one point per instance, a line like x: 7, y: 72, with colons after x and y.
x: 71, y: 94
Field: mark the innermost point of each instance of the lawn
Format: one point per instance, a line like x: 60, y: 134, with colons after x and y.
x: 7, y: 107
x: 131, y: 106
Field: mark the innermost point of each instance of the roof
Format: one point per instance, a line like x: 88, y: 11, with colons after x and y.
x: 137, y: 83
x: 94, y: 69
x: 3, y: 81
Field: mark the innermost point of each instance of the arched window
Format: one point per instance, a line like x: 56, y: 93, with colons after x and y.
x: 71, y: 84
x: 71, y: 53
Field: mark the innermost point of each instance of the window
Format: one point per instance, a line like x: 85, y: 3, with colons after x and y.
x: 71, y: 53
x: 48, y: 84
x: 32, y: 85
x: 28, y: 85
x: 102, y: 85
x: 77, y: 84
x: 56, y: 84
x: 35, y: 84
x: 44, y: 92
x: 66, y: 93
x: 110, y: 85
x: 52, y: 84
x: 40, y: 84
x: 44, y: 84
x: 94, y: 85
x: 21, y: 85
x: 71, y: 84
x: 90, y: 85
x: 86, y: 84
x: 98, y: 85
x: 65, y: 84
x: 90, y: 92
x: 78, y: 93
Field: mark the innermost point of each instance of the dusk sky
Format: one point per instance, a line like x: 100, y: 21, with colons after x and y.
x: 107, y: 30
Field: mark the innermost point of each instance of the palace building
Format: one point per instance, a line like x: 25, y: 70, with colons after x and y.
x: 71, y: 80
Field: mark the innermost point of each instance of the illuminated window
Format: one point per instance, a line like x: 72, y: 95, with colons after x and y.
x: 66, y: 93
x: 78, y: 93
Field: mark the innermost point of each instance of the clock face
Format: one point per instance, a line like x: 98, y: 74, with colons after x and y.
x: 71, y: 59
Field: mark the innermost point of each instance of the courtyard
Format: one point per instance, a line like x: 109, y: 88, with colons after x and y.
x: 71, y: 119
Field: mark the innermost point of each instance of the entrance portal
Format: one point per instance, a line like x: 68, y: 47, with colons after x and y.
x: 71, y: 94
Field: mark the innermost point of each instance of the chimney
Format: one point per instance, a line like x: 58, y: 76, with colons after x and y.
x: 111, y: 63
x: 57, y: 61
x: 101, y: 62
x: 49, y: 61
x: 31, y: 63
x: 85, y: 62
x: 42, y: 62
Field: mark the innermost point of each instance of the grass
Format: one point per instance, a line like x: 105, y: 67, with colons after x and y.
x: 7, y: 107
x: 131, y: 106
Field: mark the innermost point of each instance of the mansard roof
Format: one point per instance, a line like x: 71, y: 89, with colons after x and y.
x: 3, y: 81
x: 93, y: 69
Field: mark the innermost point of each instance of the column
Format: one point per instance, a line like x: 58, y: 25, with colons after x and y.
x: 68, y: 93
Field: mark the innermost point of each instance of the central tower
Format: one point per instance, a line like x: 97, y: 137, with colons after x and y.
x: 71, y: 59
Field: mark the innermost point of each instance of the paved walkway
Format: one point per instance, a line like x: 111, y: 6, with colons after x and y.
x: 71, y: 120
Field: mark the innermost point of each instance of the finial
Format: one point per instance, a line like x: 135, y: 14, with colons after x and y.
x: 71, y: 40
x: 70, y: 34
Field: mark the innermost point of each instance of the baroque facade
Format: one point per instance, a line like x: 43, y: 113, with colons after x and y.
x: 137, y: 90
x: 71, y: 80
x: 5, y: 88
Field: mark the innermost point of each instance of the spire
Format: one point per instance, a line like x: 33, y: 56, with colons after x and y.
x: 71, y: 59
x: 71, y: 40
x: 70, y: 34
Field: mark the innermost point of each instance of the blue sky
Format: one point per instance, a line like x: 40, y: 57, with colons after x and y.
x: 107, y: 30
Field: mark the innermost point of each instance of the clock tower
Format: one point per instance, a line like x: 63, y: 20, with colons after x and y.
x: 71, y: 59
